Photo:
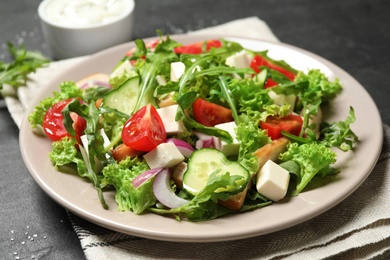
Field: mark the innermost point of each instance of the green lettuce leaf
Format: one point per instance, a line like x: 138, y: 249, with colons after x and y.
x: 312, y: 158
x: 127, y: 197
x: 251, y: 138
x: 64, y: 153
x: 340, y: 134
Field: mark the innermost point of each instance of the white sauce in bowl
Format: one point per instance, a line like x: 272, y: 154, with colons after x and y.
x: 84, y: 13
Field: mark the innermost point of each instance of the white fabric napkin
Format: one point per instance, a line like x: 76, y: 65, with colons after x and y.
x: 358, y: 228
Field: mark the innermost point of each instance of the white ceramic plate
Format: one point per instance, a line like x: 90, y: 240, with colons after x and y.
x: 80, y: 197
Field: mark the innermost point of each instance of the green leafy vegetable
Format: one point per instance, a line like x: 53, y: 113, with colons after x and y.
x: 251, y: 138
x: 340, y: 134
x: 15, y: 73
x: 68, y: 89
x: 120, y: 176
x: 312, y: 158
x: 64, y: 152
x: 204, y: 206
x: 206, y: 76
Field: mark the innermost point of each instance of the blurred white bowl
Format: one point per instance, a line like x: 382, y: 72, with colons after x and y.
x: 80, y: 27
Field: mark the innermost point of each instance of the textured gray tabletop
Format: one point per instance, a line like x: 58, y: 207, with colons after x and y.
x: 354, y: 34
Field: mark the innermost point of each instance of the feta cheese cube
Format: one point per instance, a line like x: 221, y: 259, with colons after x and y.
x: 177, y: 69
x: 161, y: 80
x: 164, y: 155
x: 277, y: 98
x: 124, y: 67
x: 290, y: 99
x: 173, y: 128
x: 226, y: 148
x: 281, y: 99
x: 168, y: 115
x: 272, y: 181
x: 238, y: 60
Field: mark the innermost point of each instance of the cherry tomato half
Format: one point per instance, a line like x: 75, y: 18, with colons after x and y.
x: 53, y: 125
x: 196, y: 48
x: 275, y: 125
x: 144, y: 130
x: 210, y: 114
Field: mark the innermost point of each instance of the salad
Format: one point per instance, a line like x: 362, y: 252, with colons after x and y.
x: 195, y: 131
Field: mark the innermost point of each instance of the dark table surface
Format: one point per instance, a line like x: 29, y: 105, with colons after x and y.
x: 354, y: 34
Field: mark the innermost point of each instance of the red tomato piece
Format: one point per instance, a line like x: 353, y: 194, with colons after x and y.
x: 144, y: 130
x: 210, y: 114
x: 275, y: 125
x: 196, y: 48
x: 259, y: 61
x: 53, y: 125
x: 269, y: 83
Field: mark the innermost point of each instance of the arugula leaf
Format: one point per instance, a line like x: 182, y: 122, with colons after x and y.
x: 228, y: 97
x: 153, y: 64
x: 93, y: 150
x: 15, y: 73
x: 212, y: 131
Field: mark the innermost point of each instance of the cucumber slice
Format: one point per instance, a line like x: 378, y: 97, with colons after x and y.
x: 206, y: 161
x: 125, y: 97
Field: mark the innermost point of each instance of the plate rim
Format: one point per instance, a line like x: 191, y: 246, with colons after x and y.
x: 186, y: 238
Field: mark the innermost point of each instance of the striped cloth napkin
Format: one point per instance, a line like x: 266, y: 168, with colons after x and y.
x: 360, y: 225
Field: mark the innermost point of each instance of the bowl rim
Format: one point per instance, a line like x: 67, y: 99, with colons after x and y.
x: 130, y: 5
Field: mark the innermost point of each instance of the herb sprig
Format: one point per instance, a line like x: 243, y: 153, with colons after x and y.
x: 15, y: 74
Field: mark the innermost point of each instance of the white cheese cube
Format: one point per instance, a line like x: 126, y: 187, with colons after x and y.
x: 168, y: 115
x: 281, y: 99
x: 177, y: 69
x: 161, y: 80
x: 272, y: 181
x: 173, y: 128
x: 124, y: 67
x: 277, y: 98
x: 238, y: 60
x: 290, y: 99
x: 226, y: 148
x: 164, y: 155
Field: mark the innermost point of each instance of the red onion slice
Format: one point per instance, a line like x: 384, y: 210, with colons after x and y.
x: 85, y: 85
x: 204, y: 141
x: 102, y: 83
x: 163, y: 191
x: 185, y: 148
x: 143, y: 177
